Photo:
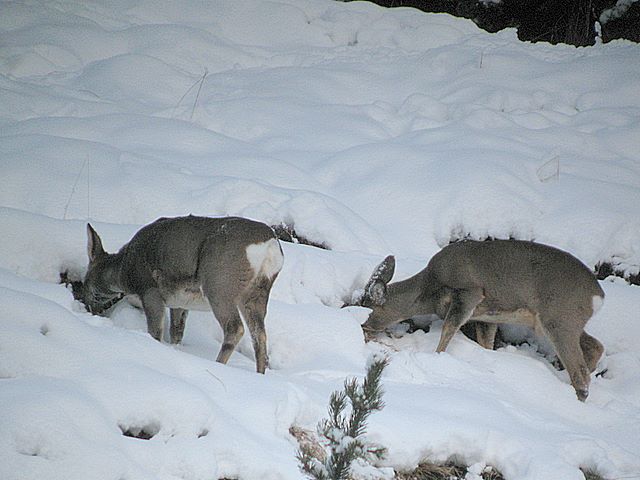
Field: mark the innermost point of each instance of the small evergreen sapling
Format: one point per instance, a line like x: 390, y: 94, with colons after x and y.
x: 343, y: 432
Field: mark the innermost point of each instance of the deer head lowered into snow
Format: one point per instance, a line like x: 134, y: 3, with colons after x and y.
x: 226, y: 265
x: 492, y: 282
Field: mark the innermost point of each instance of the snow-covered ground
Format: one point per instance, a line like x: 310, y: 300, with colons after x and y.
x: 374, y: 131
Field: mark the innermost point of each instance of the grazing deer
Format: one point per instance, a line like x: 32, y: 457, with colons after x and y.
x: 225, y: 265
x: 492, y: 282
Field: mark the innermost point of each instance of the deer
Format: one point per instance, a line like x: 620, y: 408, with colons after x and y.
x: 497, y: 282
x: 225, y: 265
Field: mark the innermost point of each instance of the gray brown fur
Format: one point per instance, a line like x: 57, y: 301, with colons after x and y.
x: 189, y: 263
x: 501, y: 281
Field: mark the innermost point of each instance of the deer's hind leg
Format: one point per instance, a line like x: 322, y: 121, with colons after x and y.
x: 229, y: 319
x: 591, y: 349
x: 567, y: 343
x: 253, y: 307
x: 463, y: 303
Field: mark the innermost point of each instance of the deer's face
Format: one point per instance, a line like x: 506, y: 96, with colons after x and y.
x: 375, y: 298
x: 379, y: 319
x: 97, y: 292
x: 97, y: 289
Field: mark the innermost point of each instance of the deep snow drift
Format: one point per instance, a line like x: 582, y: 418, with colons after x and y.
x: 373, y: 131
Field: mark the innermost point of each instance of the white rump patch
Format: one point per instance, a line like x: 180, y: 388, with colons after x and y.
x: 596, y: 303
x: 265, y: 258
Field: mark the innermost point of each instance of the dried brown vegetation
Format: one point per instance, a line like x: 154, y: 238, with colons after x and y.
x: 591, y: 474
x: 287, y: 233
x: 452, y: 470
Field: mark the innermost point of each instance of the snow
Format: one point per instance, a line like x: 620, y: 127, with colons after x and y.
x: 372, y: 131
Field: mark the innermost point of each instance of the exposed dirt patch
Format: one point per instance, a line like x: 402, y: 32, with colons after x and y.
x: 146, y: 432
x: 287, y: 233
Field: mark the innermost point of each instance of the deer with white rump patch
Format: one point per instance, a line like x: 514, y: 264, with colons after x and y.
x: 492, y: 282
x: 225, y: 265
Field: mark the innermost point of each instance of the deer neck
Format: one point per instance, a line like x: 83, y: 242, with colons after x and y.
x: 407, y: 299
x: 113, y: 274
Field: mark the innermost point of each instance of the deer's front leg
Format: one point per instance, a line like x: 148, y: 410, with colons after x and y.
x: 154, y: 310
x: 486, y: 334
x: 463, y: 302
x: 178, y: 318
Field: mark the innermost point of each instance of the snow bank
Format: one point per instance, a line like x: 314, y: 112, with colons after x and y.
x: 372, y: 131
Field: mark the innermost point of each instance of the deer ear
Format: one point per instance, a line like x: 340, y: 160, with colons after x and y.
x: 375, y: 291
x: 94, y: 244
x: 384, y: 271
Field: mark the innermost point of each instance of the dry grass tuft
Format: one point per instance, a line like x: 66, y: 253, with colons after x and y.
x: 309, y: 440
x: 431, y: 471
x: 591, y: 474
x: 452, y: 470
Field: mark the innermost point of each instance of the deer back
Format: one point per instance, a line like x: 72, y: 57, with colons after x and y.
x: 175, y: 251
x: 515, y: 274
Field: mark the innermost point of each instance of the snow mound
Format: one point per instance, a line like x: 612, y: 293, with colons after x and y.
x: 372, y: 131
